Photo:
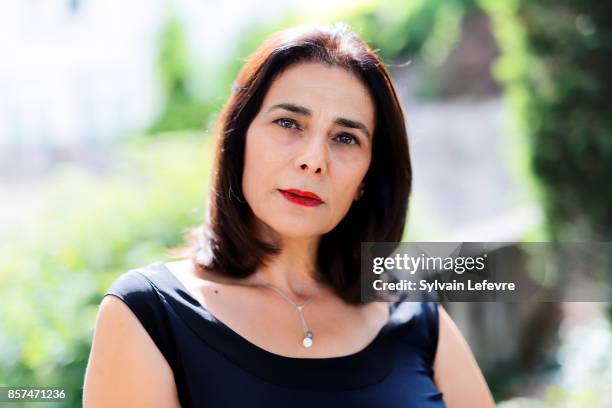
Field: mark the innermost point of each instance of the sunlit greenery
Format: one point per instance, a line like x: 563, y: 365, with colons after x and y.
x: 183, y: 107
x: 94, y: 227
x: 555, y: 67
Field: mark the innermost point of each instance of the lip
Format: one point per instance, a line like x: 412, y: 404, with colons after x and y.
x: 300, y: 197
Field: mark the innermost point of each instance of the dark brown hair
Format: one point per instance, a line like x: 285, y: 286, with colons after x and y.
x: 226, y: 243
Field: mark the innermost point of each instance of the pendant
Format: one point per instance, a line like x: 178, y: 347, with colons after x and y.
x: 307, y: 342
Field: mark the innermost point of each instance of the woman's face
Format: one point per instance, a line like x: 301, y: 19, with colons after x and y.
x: 313, y: 133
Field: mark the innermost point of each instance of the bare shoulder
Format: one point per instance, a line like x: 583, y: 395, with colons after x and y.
x: 182, y: 269
x: 456, y: 371
x: 125, y: 367
x: 200, y: 281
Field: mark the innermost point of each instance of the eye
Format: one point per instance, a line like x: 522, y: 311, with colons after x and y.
x: 348, y: 139
x: 286, y: 123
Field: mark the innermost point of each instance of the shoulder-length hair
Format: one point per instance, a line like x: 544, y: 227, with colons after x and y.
x: 226, y: 243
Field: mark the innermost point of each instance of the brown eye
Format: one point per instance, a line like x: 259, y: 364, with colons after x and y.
x: 286, y: 123
x: 347, y: 138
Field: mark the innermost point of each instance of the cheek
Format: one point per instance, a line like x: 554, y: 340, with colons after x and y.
x: 262, y: 161
x: 259, y: 157
x: 251, y: 164
x: 350, y: 174
x: 351, y: 167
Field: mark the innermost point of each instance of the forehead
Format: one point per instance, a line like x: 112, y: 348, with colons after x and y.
x: 321, y: 87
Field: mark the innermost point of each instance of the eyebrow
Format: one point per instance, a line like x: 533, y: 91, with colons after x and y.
x: 349, y: 123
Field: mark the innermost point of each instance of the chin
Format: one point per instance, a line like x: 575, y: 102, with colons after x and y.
x: 292, y: 228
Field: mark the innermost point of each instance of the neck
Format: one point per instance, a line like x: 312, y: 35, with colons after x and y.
x: 294, y: 270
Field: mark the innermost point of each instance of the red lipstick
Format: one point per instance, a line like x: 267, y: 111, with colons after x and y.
x: 306, y: 198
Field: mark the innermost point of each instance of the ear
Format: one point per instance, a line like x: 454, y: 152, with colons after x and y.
x: 359, y: 192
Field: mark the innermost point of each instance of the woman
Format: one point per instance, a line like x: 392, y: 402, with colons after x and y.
x: 311, y: 160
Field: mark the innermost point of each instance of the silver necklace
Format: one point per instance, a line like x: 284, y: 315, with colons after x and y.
x: 308, y: 336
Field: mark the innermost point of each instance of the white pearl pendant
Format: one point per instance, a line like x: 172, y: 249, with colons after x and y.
x: 307, y: 341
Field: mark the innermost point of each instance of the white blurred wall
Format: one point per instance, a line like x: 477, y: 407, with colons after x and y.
x: 84, y: 71
x: 75, y: 71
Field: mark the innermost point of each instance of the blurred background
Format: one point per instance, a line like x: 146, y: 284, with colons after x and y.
x: 106, y: 109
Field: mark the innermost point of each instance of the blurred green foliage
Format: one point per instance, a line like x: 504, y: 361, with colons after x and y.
x: 555, y: 65
x: 184, y: 107
x: 421, y: 30
x: 399, y: 30
x: 94, y: 227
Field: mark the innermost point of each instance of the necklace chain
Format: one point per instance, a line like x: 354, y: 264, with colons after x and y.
x: 308, y: 335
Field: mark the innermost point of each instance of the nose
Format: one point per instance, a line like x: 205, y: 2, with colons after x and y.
x: 313, y: 156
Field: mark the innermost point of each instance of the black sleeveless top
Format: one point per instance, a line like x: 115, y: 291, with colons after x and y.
x: 214, y: 366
